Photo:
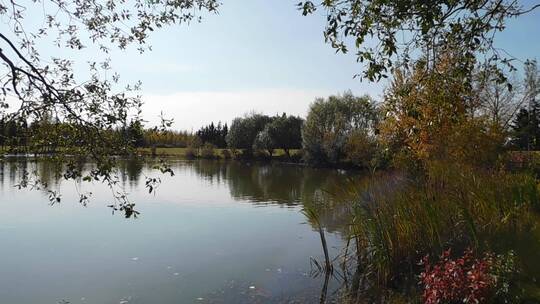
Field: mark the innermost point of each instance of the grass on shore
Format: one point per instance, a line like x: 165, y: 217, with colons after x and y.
x: 182, y: 152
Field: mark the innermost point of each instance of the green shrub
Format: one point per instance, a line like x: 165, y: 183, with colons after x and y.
x: 191, y: 153
x: 361, y: 150
x: 208, y: 151
x: 297, y: 156
x: 226, y: 153
x: 261, y: 155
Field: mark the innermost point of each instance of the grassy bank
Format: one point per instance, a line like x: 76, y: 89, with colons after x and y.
x: 186, y: 153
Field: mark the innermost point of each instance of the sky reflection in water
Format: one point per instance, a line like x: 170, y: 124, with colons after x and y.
x: 216, y: 232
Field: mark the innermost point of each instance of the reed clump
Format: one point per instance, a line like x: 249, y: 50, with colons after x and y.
x: 451, y: 207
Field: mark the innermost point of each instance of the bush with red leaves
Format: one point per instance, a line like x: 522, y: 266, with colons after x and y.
x: 462, y: 280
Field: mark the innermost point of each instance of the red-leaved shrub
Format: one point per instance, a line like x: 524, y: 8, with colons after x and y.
x: 462, y: 280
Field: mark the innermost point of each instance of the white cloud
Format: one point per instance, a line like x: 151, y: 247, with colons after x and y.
x: 192, y: 110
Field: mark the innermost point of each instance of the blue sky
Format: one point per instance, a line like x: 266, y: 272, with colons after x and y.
x: 256, y: 55
x: 250, y: 45
x: 264, y: 56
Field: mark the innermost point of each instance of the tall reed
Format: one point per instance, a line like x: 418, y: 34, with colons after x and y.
x: 450, y: 207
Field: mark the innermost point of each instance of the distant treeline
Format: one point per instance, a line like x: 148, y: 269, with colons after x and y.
x: 344, y: 128
x: 404, y: 129
x: 253, y: 135
x: 168, y: 138
x: 261, y: 132
x: 15, y: 133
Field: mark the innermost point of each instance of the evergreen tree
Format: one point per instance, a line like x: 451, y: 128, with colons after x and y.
x: 2, y: 134
x: 532, y: 92
x: 135, y: 133
x: 523, y: 130
x: 214, y: 134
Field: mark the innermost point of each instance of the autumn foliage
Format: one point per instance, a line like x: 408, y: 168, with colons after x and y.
x: 465, y: 279
x: 430, y: 114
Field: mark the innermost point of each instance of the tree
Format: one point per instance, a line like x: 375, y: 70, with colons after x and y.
x: 526, y: 124
x: 2, y: 133
x: 429, y: 115
x: 285, y: 132
x: 214, y: 134
x: 532, y: 97
x: 532, y: 81
x: 244, y: 130
x: 135, y: 134
x: 265, y: 141
x: 167, y: 138
x: 331, y: 121
x: 361, y: 149
x: 387, y: 34
x: 12, y: 133
x: 523, y: 129
x: 497, y: 101
x: 92, y: 108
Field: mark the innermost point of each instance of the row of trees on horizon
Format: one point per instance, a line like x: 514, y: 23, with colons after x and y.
x: 343, y: 128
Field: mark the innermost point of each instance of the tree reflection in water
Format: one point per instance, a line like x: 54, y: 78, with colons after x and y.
x: 322, y: 191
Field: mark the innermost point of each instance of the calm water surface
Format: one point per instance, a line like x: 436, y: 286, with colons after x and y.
x: 216, y: 232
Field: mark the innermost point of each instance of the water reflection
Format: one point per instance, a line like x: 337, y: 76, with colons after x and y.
x: 258, y: 184
x: 321, y: 191
x: 267, y: 183
x: 130, y: 171
x: 198, y: 237
x: 283, y: 185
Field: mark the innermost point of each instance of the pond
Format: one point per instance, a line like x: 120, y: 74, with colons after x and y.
x: 215, y: 232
